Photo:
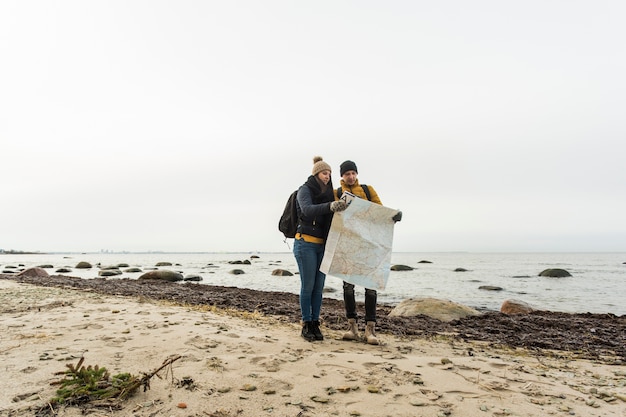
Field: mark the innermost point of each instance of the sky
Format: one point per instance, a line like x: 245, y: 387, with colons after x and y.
x: 184, y: 125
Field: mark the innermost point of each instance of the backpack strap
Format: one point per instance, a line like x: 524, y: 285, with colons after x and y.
x: 365, y: 189
x: 367, y: 192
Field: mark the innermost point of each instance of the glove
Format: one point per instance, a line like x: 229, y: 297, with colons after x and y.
x: 397, y: 217
x: 336, y: 206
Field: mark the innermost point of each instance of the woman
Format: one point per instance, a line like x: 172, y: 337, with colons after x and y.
x: 315, y: 211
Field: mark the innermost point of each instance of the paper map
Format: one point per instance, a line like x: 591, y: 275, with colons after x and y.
x: 359, y: 244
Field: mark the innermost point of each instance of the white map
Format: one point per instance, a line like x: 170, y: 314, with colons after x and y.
x: 358, y: 247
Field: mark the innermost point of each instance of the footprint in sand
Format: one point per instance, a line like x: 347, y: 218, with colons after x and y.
x: 114, y: 341
x: 241, y: 348
x: 202, y: 343
x: 271, y: 364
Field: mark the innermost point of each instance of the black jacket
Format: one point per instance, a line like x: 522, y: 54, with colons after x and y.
x: 314, y: 208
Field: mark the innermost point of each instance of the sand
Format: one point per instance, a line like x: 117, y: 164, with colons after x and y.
x: 245, y: 364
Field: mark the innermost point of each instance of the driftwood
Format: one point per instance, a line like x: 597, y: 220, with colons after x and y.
x: 92, y: 386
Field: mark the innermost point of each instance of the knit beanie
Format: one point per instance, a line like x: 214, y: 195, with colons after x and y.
x: 347, y: 166
x: 319, y: 165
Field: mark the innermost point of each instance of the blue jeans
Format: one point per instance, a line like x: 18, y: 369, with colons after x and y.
x: 309, y: 258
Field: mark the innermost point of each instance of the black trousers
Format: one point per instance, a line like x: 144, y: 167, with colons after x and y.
x: 350, y: 302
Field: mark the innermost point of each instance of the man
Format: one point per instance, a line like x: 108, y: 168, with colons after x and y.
x: 350, y: 183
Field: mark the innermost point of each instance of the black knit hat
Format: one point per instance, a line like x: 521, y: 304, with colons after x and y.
x: 347, y: 166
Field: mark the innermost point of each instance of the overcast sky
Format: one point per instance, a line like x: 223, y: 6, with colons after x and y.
x: 185, y: 125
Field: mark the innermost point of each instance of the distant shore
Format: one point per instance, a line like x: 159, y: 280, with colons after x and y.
x: 21, y: 253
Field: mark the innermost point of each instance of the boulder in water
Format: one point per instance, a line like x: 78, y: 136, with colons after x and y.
x: 109, y: 272
x: 401, y: 268
x: 490, y: 288
x: 282, y: 273
x: 163, y: 275
x: 555, y: 273
x: 193, y: 277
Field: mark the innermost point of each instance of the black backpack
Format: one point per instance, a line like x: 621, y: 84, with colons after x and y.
x: 288, y: 223
x: 365, y: 189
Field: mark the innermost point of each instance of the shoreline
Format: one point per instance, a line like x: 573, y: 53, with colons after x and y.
x: 240, y: 363
x: 600, y: 337
x: 594, y: 285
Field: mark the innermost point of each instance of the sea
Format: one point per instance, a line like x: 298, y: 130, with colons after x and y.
x: 597, y: 283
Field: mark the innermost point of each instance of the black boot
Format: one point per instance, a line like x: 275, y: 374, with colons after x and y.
x: 315, y: 329
x: 307, y: 334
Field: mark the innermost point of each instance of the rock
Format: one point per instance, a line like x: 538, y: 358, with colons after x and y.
x: 282, y: 273
x: 460, y: 270
x: 515, y: 307
x: 163, y: 264
x: 401, y: 268
x: 424, y: 262
x: 83, y: 265
x: 236, y: 271
x: 133, y: 269
x: 113, y: 267
x: 35, y: 272
x: 63, y: 270
x: 123, y: 265
x: 244, y: 262
x: 254, y: 256
x: 109, y: 272
x: 47, y: 266
x: 555, y: 273
x: 163, y: 275
x: 193, y: 277
x: 490, y: 288
x: 438, y: 309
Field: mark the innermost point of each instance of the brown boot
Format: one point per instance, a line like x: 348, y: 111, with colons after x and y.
x: 353, y: 331
x: 370, y: 335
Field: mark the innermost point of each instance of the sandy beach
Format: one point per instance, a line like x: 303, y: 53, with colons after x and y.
x: 233, y: 363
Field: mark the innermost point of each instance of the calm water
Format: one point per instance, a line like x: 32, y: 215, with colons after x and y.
x: 597, y: 285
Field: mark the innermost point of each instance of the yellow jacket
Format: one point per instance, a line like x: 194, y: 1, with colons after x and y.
x: 357, y: 190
